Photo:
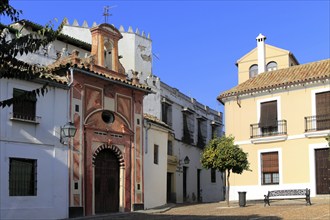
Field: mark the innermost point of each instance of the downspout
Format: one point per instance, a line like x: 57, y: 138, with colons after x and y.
x: 147, y: 125
x: 69, y: 95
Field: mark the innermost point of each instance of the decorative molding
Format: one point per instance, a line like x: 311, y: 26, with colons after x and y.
x: 269, y: 139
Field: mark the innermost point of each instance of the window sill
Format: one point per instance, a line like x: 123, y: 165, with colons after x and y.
x: 313, y: 134
x: 36, y: 121
x: 269, y: 139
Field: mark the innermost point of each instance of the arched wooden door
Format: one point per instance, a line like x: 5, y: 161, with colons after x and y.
x: 106, y: 186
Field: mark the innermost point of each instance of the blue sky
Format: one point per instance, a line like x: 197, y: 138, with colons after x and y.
x: 199, y: 42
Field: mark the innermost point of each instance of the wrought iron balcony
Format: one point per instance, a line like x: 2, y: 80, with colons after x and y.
x: 317, y: 123
x: 258, y: 131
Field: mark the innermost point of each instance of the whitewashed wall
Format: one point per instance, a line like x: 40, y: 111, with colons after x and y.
x: 40, y: 142
x: 155, y: 174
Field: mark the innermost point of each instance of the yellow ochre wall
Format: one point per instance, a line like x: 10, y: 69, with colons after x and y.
x: 294, y: 104
x: 280, y: 56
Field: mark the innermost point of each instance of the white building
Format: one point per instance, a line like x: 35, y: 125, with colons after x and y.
x: 192, y: 124
x: 33, y: 161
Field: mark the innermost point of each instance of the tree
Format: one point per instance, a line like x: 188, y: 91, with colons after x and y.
x: 10, y: 66
x: 223, y: 155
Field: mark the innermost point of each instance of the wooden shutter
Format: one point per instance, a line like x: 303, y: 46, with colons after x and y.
x: 268, y: 114
x: 270, y: 162
x: 323, y: 103
x: 323, y: 110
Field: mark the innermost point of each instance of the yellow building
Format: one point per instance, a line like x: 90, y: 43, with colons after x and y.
x: 279, y: 114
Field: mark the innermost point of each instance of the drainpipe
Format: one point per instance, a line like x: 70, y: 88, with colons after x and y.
x: 147, y: 125
x: 71, y: 76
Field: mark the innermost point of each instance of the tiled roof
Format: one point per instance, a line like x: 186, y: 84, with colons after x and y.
x: 280, y: 78
x: 86, y: 64
x: 155, y: 120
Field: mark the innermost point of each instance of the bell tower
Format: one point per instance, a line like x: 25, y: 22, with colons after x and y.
x: 105, y: 39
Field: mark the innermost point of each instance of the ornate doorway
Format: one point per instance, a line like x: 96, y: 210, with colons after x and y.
x: 106, y: 186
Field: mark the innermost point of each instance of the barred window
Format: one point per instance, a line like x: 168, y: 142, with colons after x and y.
x: 188, y: 127
x: 269, y: 171
x: 169, y: 148
x: 202, y: 133
x: 156, y: 150
x: 167, y: 113
x: 24, y: 108
x: 213, y: 175
x: 22, y: 177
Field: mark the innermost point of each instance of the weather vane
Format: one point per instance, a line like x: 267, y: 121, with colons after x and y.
x: 106, y: 13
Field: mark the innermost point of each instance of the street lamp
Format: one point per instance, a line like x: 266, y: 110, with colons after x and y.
x: 67, y: 131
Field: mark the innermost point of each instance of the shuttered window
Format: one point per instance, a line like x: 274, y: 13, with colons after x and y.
x: 167, y: 113
x: 268, y: 114
x: 323, y: 110
x: 269, y: 169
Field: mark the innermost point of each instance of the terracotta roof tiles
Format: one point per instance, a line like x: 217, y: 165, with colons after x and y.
x: 283, y: 77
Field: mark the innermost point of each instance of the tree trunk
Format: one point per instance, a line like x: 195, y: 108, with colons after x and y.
x: 228, y: 187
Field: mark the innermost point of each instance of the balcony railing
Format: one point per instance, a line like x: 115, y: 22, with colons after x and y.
x: 317, y: 123
x: 258, y: 131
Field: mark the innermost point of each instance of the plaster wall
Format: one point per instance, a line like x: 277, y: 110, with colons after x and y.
x: 295, y: 150
x: 40, y: 142
x: 280, y: 56
x: 155, y: 174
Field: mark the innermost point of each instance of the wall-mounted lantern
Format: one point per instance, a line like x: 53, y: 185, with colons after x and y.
x: 186, y: 160
x: 67, y: 131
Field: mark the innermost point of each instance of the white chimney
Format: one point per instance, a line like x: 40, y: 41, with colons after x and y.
x: 261, y: 53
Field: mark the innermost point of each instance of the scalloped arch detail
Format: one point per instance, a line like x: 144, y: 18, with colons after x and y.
x: 116, y: 151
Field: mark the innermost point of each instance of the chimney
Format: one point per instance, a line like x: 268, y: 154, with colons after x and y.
x: 261, y: 53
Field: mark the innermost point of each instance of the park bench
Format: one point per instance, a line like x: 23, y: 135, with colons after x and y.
x: 288, y: 194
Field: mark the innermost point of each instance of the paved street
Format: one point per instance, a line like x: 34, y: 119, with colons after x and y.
x: 254, y: 210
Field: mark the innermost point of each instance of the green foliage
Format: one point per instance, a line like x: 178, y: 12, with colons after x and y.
x: 222, y: 154
x: 10, y: 66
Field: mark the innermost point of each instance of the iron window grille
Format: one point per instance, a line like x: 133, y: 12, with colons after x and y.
x: 258, y: 130
x: 24, y: 106
x: 156, y: 153
x: 317, y: 123
x: 22, y: 177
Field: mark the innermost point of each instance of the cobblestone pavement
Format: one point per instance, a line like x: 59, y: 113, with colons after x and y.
x: 254, y: 210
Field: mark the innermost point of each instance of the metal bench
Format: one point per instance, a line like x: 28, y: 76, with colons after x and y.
x: 289, y: 194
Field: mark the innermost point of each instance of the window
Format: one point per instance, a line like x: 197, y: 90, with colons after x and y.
x: 169, y: 147
x: 24, y: 108
x: 188, y: 126
x: 216, y: 129
x: 271, y: 66
x: 202, y: 132
x: 268, y: 117
x: 22, y: 177
x: 213, y: 175
x: 156, y: 148
x: 269, y: 168
x: 253, y: 71
x: 323, y: 110
x: 166, y: 112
